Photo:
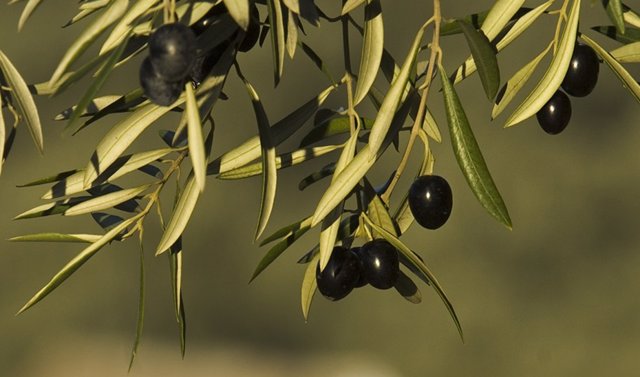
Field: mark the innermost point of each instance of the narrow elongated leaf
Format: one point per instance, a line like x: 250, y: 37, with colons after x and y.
x: 29, y: 8
x: 195, y: 140
x: 292, y: 33
x: 408, y: 289
x: 181, y: 215
x: 309, y: 286
x: 57, y: 237
x: 630, y: 35
x: 21, y: 94
x: 392, y: 99
x: 343, y: 183
x: 239, y: 11
x: 485, y: 58
x: 140, y: 321
x: 379, y: 214
x: 335, y: 126
x: 286, y: 231
x: 77, y: 262
x: 430, y: 126
x: 469, y: 156
x: 515, y: 83
x: 250, y: 149
x: 118, y: 139
x: 280, y: 247
x: 49, y: 209
x: 96, y: 85
x: 74, y: 183
x: 628, y: 53
x: 175, y: 264
x: 451, y: 26
x: 417, y: 262
x: 499, y: 16
x: 372, y: 47
x: 126, y: 24
x: 623, y: 75
x: 350, y: 5
x: 284, y: 160
x: 326, y: 171
x: 554, y: 75
x: 630, y: 17
x: 105, y: 201
x: 51, y: 179
x: 2, y: 136
x: 522, y: 24
x: 95, y: 105
x: 276, y: 24
x: 112, y: 14
x: 614, y: 11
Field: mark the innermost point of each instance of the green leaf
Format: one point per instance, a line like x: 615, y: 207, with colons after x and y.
x: 554, y: 75
x: 282, y: 130
x: 96, y: 84
x: 623, y: 75
x: 296, y: 231
x: 95, y: 105
x: 75, y: 263
x: 312, y: 178
x: 20, y: 92
x: 175, y: 264
x: 309, y: 286
x: 335, y: 126
x: 430, y: 126
x: 392, y: 99
x: 54, y: 178
x: 285, y: 231
x: 630, y: 17
x: 630, y: 35
x: 112, y: 14
x: 379, y: 214
x: 74, y: 183
x: 614, y: 11
x: 372, y: 47
x: 126, y: 24
x: 196, y: 143
x: 284, y: 160
x: 469, y: 156
x: 276, y: 25
x: 484, y: 56
x: 515, y: 83
x: 451, y: 26
x: 498, y: 17
x: 118, y: 139
x: 522, y: 24
x: 350, y: 5
x: 408, y: 289
x: 181, y: 215
x: 49, y: 209
x: 106, y: 201
x: 292, y: 33
x: 416, y: 261
x: 57, y: 237
x: 29, y: 8
x: 269, y: 164
x: 628, y: 53
x: 239, y: 11
x: 140, y: 321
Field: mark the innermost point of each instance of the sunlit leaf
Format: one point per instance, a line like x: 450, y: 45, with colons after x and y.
x: 175, y: 263
x: 350, y: 5
x: 21, y: 94
x: 276, y: 23
x: 95, y: 105
x: 309, y: 286
x: 469, y: 156
x: 484, y: 56
x: 614, y: 11
x: 336, y: 126
x: 312, y: 178
x: 554, y: 75
x: 105, y: 201
x: 181, y: 215
x: 76, y: 263
x: 630, y: 35
x: 29, y: 8
x: 408, y: 289
x: 195, y: 140
x: 239, y: 11
x: 372, y: 47
x: 126, y: 24
x: 499, y: 16
x: 49, y: 209
x: 57, y: 237
x: 140, y: 320
x: 292, y: 33
x: 628, y: 53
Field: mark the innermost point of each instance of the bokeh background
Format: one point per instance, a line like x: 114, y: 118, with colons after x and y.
x: 558, y: 295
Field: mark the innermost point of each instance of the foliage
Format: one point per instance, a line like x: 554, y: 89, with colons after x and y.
x: 351, y: 209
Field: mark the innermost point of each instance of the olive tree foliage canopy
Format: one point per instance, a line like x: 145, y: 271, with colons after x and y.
x: 400, y: 88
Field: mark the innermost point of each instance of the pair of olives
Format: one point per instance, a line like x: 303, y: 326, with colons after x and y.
x: 375, y: 263
x: 173, y: 57
x: 579, y: 81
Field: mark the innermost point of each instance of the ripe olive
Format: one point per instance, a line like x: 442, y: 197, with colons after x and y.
x: 430, y: 201
x: 554, y: 116
x: 340, y: 275
x: 172, y: 50
x: 362, y: 281
x: 582, y: 75
x: 156, y: 88
x: 379, y: 263
x: 203, y: 65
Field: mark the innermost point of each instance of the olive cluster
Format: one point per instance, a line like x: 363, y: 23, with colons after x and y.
x: 174, y: 57
x: 579, y: 81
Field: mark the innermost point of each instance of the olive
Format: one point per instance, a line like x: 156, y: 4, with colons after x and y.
x: 554, y: 116
x: 172, y: 50
x: 156, y: 88
x: 379, y: 264
x: 340, y: 274
x: 582, y: 75
x: 430, y: 201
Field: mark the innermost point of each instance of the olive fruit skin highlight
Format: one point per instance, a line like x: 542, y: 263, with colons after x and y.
x: 430, y: 201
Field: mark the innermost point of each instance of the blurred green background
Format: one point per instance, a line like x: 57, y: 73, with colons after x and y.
x: 557, y: 296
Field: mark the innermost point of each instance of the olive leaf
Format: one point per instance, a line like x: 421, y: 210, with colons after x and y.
x: 312, y: 178
x: 276, y: 25
x: 469, y: 156
x: 332, y: 127
x: 630, y: 35
x: 21, y: 94
x: 56, y: 237
x: 498, y: 17
x: 309, y: 286
x: 29, y: 8
x: 623, y: 75
x: 614, y: 11
x: 105, y: 201
x: 181, y: 214
x: 630, y: 16
x: 94, y: 106
x: 239, y: 11
x: 372, y: 47
x: 48, y: 209
x: 140, y: 318
x: 554, y: 75
x: 628, y: 53
x: 350, y: 5
x: 195, y: 141
x: 407, y: 288
x: 484, y: 56
x: 126, y: 24
x: 175, y: 265
x: 75, y: 263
